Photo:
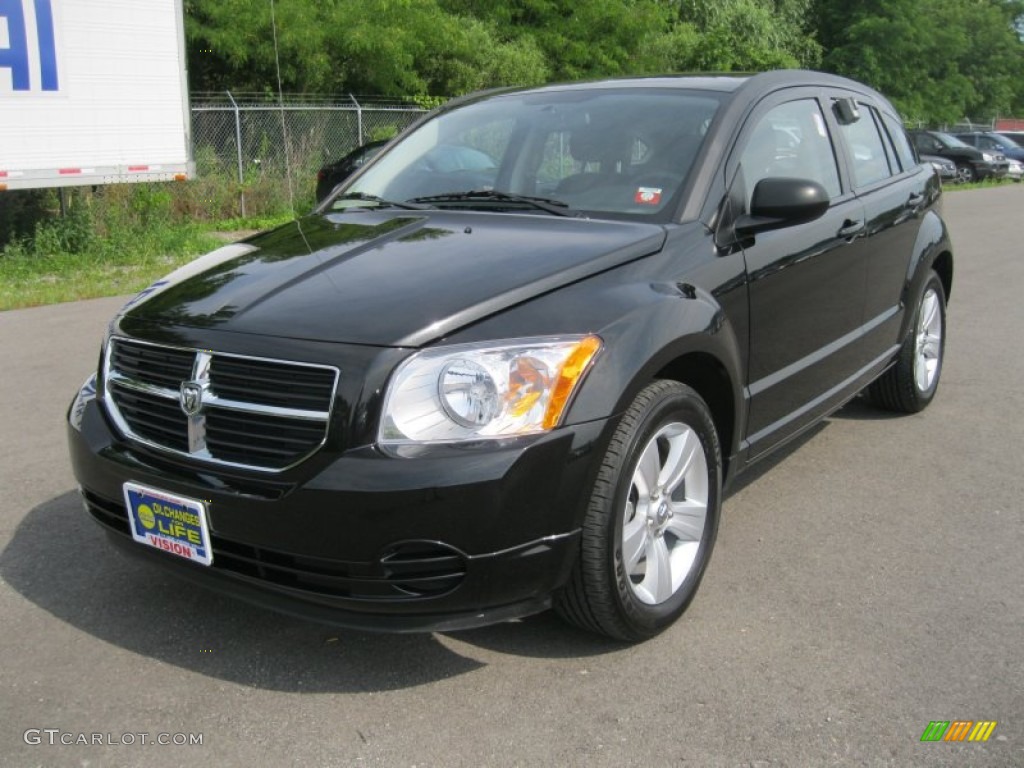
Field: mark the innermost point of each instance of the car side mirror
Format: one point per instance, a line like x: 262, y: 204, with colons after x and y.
x: 846, y: 111
x: 779, y: 203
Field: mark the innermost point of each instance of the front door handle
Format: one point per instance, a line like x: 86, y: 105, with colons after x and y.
x: 915, y: 200
x: 851, y: 228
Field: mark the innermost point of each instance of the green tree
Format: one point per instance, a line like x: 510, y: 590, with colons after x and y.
x: 594, y: 38
x: 938, y: 60
x: 746, y: 35
x: 581, y: 38
x: 386, y: 47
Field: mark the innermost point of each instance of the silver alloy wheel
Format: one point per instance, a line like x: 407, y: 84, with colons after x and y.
x: 666, y: 511
x: 928, y: 345
x: 964, y: 174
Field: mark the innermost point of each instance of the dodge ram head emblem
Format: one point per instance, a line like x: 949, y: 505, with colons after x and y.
x: 191, y: 397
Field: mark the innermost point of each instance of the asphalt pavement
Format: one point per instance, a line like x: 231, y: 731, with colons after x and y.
x: 868, y: 581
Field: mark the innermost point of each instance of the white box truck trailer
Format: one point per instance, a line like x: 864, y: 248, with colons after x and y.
x: 92, y: 92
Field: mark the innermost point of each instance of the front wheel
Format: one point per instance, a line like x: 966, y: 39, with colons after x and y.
x: 965, y: 173
x: 652, y: 517
x: 910, y: 384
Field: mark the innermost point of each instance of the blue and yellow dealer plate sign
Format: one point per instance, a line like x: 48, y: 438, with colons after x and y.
x: 170, y: 523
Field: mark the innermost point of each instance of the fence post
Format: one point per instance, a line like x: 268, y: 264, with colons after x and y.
x: 359, y: 118
x: 238, y: 146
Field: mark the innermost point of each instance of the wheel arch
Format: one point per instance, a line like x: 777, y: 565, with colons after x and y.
x: 708, y: 377
x: 943, y: 265
x: 932, y: 251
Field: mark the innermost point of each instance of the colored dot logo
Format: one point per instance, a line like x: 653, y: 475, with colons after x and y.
x: 146, y: 517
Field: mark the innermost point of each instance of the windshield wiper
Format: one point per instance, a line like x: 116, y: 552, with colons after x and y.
x: 557, y: 207
x: 380, y: 201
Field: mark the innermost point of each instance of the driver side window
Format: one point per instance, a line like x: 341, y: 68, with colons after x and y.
x: 791, y: 141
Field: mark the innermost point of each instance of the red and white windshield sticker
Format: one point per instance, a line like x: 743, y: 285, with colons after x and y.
x: 647, y: 196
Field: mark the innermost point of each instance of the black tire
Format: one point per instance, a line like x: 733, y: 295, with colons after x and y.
x: 965, y: 173
x: 900, y: 387
x: 601, y: 595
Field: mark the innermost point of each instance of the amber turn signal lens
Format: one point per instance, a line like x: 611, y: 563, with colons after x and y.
x: 528, y: 381
x: 569, y: 375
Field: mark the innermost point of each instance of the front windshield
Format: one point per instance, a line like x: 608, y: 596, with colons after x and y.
x: 950, y: 141
x: 610, y: 151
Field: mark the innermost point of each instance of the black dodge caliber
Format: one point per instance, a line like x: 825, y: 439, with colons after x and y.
x: 512, y: 362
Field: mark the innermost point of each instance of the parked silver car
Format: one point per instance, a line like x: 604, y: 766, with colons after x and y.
x: 945, y: 167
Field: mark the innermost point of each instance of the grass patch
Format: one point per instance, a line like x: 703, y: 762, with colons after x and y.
x: 63, y: 280
x: 114, y: 241
x: 984, y: 184
x: 29, y: 278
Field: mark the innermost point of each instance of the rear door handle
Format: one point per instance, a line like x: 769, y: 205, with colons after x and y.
x: 851, y: 228
x: 915, y: 200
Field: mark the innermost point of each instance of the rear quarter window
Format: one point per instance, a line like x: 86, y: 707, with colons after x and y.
x: 904, y: 152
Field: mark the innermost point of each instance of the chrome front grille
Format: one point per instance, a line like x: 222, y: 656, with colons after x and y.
x: 220, y: 408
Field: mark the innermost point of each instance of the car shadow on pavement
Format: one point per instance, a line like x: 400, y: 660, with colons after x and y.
x: 778, y: 455
x: 61, y: 561
x: 543, y: 635
x: 862, y: 409
x: 858, y: 409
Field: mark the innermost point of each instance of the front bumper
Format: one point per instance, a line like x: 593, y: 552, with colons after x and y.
x: 449, y: 538
x: 992, y: 170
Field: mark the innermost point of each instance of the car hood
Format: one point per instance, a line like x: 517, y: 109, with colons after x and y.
x: 967, y: 153
x: 936, y: 159
x: 387, y: 278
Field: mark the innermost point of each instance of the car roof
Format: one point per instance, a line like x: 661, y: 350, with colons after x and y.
x: 737, y: 83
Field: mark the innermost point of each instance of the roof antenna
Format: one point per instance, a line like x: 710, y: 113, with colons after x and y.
x: 280, y: 103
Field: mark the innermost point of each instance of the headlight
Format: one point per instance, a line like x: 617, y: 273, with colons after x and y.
x: 488, y: 390
x: 988, y: 157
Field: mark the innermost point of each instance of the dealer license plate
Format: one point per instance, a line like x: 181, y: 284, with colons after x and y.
x: 174, y: 524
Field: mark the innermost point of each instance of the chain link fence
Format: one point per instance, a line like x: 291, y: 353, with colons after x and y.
x: 257, y: 154
x: 966, y: 124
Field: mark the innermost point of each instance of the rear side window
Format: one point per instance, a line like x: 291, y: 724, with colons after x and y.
x: 791, y: 141
x: 867, y: 150
x: 904, y: 152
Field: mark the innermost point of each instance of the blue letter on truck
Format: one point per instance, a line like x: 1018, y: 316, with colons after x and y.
x: 15, y: 57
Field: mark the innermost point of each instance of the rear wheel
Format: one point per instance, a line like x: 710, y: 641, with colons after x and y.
x: 911, y: 383
x: 652, y: 517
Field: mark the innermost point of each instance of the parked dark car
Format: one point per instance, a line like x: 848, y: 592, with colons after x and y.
x: 944, y: 167
x: 994, y: 143
x: 514, y: 361
x: 332, y: 174
x: 971, y: 164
